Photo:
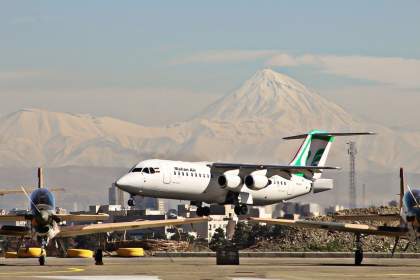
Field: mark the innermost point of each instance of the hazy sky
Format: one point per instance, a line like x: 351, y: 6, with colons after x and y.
x: 154, y: 62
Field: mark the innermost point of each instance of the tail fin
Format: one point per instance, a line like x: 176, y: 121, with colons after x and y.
x: 401, y: 187
x: 315, y: 148
x: 40, y: 178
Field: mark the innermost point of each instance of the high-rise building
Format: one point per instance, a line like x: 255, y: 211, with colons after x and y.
x: 112, y: 195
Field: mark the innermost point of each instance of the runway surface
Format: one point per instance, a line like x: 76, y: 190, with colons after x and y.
x: 205, y: 268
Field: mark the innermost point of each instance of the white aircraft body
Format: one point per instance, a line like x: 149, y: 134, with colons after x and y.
x: 232, y: 183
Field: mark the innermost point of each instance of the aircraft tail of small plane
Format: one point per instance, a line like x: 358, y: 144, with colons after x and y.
x: 40, y: 178
x: 315, y: 147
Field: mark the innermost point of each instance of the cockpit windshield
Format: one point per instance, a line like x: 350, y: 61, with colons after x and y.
x: 147, y: 170
x: 43, y: 199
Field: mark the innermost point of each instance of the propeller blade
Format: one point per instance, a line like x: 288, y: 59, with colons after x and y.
x: 29, y: 198
x: 411, y: 192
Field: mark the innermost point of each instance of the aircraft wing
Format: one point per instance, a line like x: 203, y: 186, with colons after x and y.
x: 369, y: 217
x: 333, y: 226
x: 12, y: 218
x: 82, y: 217
x: 4, y: 192
x: 272, y: 169
x: 14, y: 231
x: 109, y: 227
x: 19, y: 191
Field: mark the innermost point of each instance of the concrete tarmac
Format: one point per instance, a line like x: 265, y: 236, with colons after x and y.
x: 205, y: 268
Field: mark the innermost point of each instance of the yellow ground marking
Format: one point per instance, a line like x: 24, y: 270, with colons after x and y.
x: 69, y: 270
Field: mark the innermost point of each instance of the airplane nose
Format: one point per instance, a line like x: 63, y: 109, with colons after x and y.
x: 128, y: 180
x: 123, y: 181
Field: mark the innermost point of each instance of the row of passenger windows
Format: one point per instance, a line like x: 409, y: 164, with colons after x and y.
x: 283, y: 183
x: 192, y: 174
x: 148, y: 170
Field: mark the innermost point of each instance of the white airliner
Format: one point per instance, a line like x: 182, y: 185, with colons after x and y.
x: 232, y: 183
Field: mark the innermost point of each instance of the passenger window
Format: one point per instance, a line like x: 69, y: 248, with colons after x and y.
x: 174, y: 172
x: 146, y: 170
x: 182, y: 173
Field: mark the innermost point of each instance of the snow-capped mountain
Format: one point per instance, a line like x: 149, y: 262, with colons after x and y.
x: 245, y: 125
x: 278, y: 98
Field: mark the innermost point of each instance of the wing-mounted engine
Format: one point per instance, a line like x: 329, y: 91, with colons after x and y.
x: 257, y: 180
x: 230, y: 181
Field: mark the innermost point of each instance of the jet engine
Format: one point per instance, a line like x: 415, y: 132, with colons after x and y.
x: 230, y: 182
x: 256, y: 182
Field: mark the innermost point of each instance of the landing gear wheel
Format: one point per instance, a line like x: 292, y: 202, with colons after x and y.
x: 200, y: 212
x: 358, y: 253
x: 98, y: 257
x: 241, y: 209
x: 358, y: 257
x: 206, y: 211
x: 41, y: 260
x: 42, y: 257
x: 237, y: 209
x: 131, y: 202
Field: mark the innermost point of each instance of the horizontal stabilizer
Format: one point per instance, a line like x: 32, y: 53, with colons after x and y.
x: 328, y: 134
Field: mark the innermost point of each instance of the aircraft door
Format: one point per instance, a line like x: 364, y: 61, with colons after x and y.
x: 166, y: 175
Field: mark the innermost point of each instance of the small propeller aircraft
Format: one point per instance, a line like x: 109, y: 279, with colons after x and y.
x: 43, y: 222
x: 409, y: 222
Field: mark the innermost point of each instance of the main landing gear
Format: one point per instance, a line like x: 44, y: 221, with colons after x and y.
x: 241, y: 209
x: 358, y: 253
x: 98, y: 257
x: 203, y: 211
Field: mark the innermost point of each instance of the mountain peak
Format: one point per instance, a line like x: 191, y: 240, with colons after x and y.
x: 271, y: 78
x: 279, y: 98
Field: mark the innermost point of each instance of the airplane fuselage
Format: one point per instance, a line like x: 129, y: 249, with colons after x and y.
x: 195, y: 181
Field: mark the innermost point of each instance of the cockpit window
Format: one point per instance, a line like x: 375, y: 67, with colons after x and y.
x: 137, y: 169
x: 132, y: 168
x: 145, y: 170
x: 152, y: 170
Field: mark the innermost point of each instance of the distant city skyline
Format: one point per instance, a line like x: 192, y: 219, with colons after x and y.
x: 130, y: 60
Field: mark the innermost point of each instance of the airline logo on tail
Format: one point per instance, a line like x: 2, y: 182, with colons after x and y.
x: 316, y: 146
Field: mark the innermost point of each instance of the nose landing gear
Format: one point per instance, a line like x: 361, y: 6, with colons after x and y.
x: 131, y: 201
x: 43, y: 256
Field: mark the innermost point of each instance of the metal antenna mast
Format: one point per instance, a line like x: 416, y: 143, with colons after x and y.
x: 364, y: 195
x: 352, y: 151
